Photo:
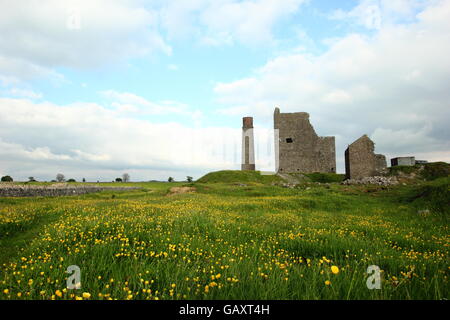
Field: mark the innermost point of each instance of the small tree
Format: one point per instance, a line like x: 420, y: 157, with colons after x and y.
x: 118, y: 179
x: 7, y: 179
x: 125, y: 177
x: 84, y: 180
x: 60, y: 177
x: 170, y: 179
x: 31, y: 179
x: 71, y: 180
x: 189, y: 179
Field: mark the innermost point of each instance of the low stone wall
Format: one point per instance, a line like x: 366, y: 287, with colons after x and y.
x: 53, y: 191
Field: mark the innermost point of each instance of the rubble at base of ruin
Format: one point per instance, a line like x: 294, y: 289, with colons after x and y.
x: 377, y: 180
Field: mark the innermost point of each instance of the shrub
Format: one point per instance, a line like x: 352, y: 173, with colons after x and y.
x: 7, y: 179
x: 71, y: 180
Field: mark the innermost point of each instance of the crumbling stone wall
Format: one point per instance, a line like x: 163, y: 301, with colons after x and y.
x: 299, y: 148
x: 42, y: 191
x: 361, y: 160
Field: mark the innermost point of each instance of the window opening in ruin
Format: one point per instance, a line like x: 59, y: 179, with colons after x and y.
x: 289, y: 140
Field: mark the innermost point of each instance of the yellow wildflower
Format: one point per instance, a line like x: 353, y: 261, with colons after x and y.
x: 86, y: 295
x: 335, y: 269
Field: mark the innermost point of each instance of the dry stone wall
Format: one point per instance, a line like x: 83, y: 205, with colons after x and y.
x: 15, y: 190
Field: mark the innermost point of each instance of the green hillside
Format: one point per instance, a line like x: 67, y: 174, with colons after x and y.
x: 237, y: 176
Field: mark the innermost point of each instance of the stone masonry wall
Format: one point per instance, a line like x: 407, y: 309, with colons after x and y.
x: 300, y: 148
x: 361, y: 161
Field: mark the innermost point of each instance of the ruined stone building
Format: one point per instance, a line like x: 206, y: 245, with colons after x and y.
x: 248, y: 145
x: 297, y: 146
x: 361, y: 160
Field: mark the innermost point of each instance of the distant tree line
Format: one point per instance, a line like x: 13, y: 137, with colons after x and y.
x: 61, y: 178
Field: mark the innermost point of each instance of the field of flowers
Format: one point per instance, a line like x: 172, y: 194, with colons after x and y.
x: 224, y: 241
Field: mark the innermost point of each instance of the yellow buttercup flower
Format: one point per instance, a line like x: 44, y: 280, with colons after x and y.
x: 86, y: 295
x: 58, y: 293
x: 5, y: 291
x: 327, y: 283
x: 335, y: 269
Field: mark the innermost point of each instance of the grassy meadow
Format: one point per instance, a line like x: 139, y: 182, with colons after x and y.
x: 228, y: 240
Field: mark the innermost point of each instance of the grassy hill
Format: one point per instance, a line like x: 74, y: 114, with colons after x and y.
x: 429, y: 171
x: 237, y: 176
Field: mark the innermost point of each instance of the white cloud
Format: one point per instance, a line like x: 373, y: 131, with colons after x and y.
x: 224, y: 22
x: 36, y: 37
x: 372, y: 14
x: 91, y: 141
x: 25, y: 93
x: 131, y: 104
x: 367, y: 13
x: 393, y: 85
x: 40, y: 36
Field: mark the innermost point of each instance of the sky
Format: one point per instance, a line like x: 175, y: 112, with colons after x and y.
x: 94, y: 89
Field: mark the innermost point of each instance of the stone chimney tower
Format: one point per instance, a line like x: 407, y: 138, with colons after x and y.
x: 248, y: 146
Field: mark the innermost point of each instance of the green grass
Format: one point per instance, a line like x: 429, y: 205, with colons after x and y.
x: 228, y: 241
x: 325, y: 177
x: 433, y: 196
x: 235, y: 176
